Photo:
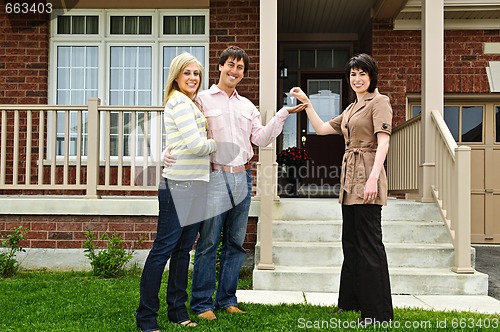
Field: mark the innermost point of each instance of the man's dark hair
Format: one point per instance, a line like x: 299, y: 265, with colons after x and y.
x: 367, y: 64
x: 234, y: 52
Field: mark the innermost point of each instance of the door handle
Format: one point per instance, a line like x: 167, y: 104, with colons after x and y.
x: 303, y: 139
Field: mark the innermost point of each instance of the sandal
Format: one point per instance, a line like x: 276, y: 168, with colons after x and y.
x: 188, y: 323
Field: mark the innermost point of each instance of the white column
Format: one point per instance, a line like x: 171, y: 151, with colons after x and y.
x: 267, y: 166
x: 432, y: 88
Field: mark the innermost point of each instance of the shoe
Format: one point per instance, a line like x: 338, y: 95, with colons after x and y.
x: 234, y: 310
x: 337, y: 311
x: 208, y: 315
x: 188, y: 323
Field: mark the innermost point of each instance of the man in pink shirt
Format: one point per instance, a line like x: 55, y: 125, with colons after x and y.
x: 235, y: 123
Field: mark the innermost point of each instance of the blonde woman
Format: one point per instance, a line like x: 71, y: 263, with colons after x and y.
x: 179, y: 194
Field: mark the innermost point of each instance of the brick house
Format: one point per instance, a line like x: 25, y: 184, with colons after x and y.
x: 67, y: 158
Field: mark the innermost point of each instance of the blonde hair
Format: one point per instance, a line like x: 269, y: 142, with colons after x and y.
x: 176, y: 67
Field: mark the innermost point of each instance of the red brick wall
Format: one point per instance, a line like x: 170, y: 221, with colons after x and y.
x: 399, y: 56
x: 24, y: 49
x: 49, y: 231
x: 236, y: 22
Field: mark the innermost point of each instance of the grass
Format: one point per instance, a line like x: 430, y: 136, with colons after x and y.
x: 77, y: 301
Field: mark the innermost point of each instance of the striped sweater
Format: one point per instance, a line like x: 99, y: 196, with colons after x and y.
x: 186, y: 130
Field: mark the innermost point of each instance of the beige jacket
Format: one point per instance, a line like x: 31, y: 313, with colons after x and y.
x: 359, y: 124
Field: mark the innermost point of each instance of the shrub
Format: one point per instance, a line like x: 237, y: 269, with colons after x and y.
x: 106, y: 262
x: 9, y: 265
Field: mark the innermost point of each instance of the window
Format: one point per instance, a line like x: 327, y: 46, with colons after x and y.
x: 122, y: 57
x: 464, y: 121
x: 497, y: 123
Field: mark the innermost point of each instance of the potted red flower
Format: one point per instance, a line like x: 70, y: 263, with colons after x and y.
x: 293, y: 156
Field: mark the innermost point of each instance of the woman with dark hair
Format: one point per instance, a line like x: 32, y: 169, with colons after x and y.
x: 366, y: 127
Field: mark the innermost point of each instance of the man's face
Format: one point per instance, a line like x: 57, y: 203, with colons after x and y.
x: 232, y: 72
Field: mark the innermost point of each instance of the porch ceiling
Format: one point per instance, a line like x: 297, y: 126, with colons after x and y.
x: 351, y: 16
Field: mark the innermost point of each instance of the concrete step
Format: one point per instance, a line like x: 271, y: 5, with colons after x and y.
x: 327, y: 254
x: 330, y: 209
x: 331, y: 231
x: 403, y: 280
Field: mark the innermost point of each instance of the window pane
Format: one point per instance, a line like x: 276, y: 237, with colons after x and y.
x: 325, y: 59
x: 169, y: 25
x: 198, y: 25
x: 416, y: 110
x: 125, y: 81
x: 131, y: 25
x: 93, y: 25
x: 292, y: 59
x: 78, y: 24
x: 77, y: 74
x: 90, y: 78
x: 497, y: 122
x: 472, y: 124
x: 184, y: 25
x: 145, y: 25
x: 64, y: 24
x: 308, y: 59
x: 451, y: 119
x: 340, y: 58
x: 77, y: 78
x: 116, y: 25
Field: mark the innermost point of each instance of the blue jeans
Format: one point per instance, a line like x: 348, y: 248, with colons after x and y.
x: 174, y: 242
x: 233, y: 225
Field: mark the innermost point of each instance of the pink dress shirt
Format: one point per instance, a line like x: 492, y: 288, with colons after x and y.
x: 235, y: 123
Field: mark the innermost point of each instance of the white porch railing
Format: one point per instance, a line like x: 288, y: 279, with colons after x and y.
x: 404, y: 157
x: 451, y: 190
x: 45, y: 149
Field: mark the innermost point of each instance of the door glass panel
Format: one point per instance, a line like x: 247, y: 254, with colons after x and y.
x: 472, y: 124
x: 325, y: 97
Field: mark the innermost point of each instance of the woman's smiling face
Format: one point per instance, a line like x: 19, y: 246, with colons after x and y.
x: 189, y: 80
x: 360, y: 81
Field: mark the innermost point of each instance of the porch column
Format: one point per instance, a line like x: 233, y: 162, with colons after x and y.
x: 267, y: 166
x: 432, y: 89
x: 93, y: 148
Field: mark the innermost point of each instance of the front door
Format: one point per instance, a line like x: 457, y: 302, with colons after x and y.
x: 329, y: 96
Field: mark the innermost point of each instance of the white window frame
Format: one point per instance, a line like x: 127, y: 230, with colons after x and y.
x: 104, y: 41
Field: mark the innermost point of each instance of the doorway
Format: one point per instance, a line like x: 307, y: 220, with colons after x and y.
x: 328, y: 93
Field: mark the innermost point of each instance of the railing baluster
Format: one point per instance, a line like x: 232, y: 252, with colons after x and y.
x: 132, y: 140
x: 3, y: 148
x: 29, y: 131
x: 15, y: 161
x: 66, y: 146
x: 107, y: 146
x: 79, y: 136
x: 145, y: 150
x: 53, y: 151
x: 41, y: 146
x: 120, y: 148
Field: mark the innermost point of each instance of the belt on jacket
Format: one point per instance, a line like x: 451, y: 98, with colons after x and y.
x: 231, y: 169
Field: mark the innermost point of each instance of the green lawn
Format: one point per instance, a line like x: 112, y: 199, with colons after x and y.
x: 77, y: 301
